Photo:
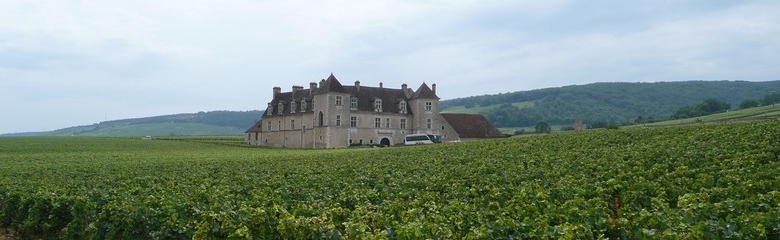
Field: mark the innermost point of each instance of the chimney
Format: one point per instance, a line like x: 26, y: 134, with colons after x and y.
x: 403, y: 87
x: 322, y: 82
x: 312, y: 87
x: 277, y: 90
x: 380, y: 84
x: 357, y: 85
x: 433, y: 88
x: 296, y: 88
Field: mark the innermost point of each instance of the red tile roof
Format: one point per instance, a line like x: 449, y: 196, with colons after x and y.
x: 472, y: 125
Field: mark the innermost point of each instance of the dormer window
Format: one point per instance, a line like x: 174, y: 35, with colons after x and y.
x: 270, y: 110
x: 353, y: 103
x: 402, y: 107
x: 292, y: 106
x: 303, y: 105
x: 280, y: 108
x: 378, y: 105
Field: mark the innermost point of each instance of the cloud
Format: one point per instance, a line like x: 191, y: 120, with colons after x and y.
x: 158, y: 57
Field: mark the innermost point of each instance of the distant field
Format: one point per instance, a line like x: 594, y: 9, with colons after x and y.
x: 692, y: 182
x: 477, y: 110
x: 750, y: 114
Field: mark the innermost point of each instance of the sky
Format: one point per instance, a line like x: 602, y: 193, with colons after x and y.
x: 66, y: 63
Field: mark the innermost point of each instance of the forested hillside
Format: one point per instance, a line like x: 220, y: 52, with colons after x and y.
x: 606, y: 102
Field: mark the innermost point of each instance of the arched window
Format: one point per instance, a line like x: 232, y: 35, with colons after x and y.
x: 303, y: 105
x: 280, y: 108
x: 321, y: 119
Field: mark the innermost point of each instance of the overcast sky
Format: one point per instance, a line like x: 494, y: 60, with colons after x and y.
x: 69, y: 62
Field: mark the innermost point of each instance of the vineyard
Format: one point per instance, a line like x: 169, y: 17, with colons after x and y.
x: 693, y: 182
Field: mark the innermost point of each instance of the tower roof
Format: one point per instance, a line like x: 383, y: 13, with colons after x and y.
x: 331, y: 85
x: 425, y: 92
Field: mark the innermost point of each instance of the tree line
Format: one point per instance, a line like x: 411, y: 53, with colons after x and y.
x: 615, y: 103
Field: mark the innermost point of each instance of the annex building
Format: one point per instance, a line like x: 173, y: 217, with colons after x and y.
x: 331, y: 115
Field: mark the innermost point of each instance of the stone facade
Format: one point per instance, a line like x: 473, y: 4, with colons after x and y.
x: 331, y: 115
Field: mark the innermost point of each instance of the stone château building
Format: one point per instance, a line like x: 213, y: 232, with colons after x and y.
x: 331, y: 115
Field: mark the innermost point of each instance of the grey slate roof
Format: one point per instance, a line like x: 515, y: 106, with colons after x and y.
x: 257, y: 127
x: 365, y: 96
x: 331, y: 85
x: 424, y: 92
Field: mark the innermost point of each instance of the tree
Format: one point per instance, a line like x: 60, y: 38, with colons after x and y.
x: 542, y: 127
x: 708, y: 106
x: 711, y: 105
x: 748, y: 103
x: 770, y: 99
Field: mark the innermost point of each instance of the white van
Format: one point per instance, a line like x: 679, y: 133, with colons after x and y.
x: 415, y: 139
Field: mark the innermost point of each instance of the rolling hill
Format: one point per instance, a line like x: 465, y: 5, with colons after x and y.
x: 185, y: 124
x: 604, y: 102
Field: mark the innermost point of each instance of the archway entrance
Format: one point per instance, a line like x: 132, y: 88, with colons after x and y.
x: 385, y: 141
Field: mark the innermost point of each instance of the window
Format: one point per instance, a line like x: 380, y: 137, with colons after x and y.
x: 292, y: 106
x: 429, y: 122
x: 377, y: 122
x: 338, y: 120
x: 403, y: 123
x: 387, y: 123
x: 281, y: 108
x: 402, y: 107
x: 353, y: 103
x: 270, y: 110
x: 339, y: 100
x: 353, y: 121
x: 303, y: 105
x: 428, y: 106
x: 280, y: 125
x: 378, y: 105
x: 269, y: 126
x: 292, y: 124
